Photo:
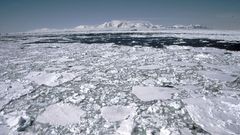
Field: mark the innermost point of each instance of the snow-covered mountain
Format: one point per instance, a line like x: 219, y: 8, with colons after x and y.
x: 123, y: 25
x: 117, y: 24
x: 134, y: 25
x: 120, y: 25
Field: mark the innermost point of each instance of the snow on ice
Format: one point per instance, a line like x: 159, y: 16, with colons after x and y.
x: 153, y: 93
x: 218, y: 116
x: 116, y: 112
x: 50, y: 79
x: 61, y: 114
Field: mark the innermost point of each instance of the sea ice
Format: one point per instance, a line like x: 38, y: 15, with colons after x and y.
x: 62, y: 60
x: 4, y: 130
x: 149, y: 67
x: 78, y: 67
x: 17, y: 121
x: 153, y: 93
x: 50, y: 79
x: 76, y: 98
x: 126, y: 127
x: 217, y: 75
x: 61, y: 114
x: 116, y: 112
x: 218, y: 116
x: 12, y: 91
x: 164, y: 131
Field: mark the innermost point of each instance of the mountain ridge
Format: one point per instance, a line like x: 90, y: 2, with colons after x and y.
x: 123, y: 25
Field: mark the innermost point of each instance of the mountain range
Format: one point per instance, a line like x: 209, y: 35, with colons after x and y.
x: 123, y: 25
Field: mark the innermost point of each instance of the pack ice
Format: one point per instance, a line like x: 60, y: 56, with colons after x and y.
x: 218, y: 116
x: 153, y: 93
x: 61, y: 114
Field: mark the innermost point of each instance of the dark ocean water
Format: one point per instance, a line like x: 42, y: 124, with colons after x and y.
x: 131, y: 39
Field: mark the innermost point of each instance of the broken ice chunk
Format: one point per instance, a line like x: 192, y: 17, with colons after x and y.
x: 62, y: 60
x: 126, y: 127
x: 50, y: 79
x: 149, y: 82
x: 3, y: 88
x: 185, y: 131
x: 149, y: 67
x: 4, y: 130
x: 24, y: 122
x: 12, y: 91
x: 236, y: 82
x: 121, y: 112
x: 218, y: 116
x: 76, y: 99
x: 216, y: 75
x: 153, y: 93
x: 165, y: 131
x: 182, y: 63
x: 203, y: 56
x: 43, y: 78
x: 61, y: 114
x: 116, y: 112
x: 18, y: 121
x: 78, y: 67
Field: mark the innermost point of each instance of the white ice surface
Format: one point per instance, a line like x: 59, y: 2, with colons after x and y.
x: 116, y: 112
x: 218, y: 116
x: 78, y: 67
x: 61, y: 114
x: 153, y: 93
x: 149, y: 67
x: 12, y: 120
x: 126, y: 127
x: 50, y: 79
x: 4, y: 130
x: 216, y: 75
x: 62, y: 60
x: 13, y: 90
x: 164, y: 131
x: 3, y: 89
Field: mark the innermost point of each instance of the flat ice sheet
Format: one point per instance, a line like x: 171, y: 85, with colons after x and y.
x: 116, y: 112
x: 217, y: 75
x: 10, y: 91
x: 50, y: 79
x: 153, y: 93
x: 218, y: 116
x: 149, y: 67
x: 61, y: 114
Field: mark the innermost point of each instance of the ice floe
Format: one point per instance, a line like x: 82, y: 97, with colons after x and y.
x: 11, y: 91
x: 62, y: 60
x: 126, y: 127
x: 153, y: 93
x: 50, y: 79
x: 76, y: 98
x: 149, y: 67
x: 4, y: 130
x: 78, y: 67
x: 17, y: 121
x: 217, y: 75
x: 125, y: 114
x: 61, y: 114
x: 164, y: 131
x: 218, y: 116
x: 116, y: 112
